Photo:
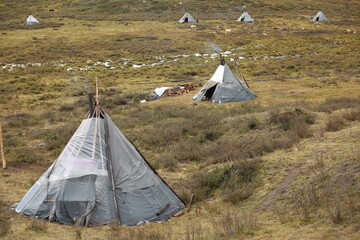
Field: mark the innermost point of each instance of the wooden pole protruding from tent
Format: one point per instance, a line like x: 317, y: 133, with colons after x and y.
x: 222, y: 60
x: 242, y: 75
x: 97, y: 115
x: 2, y: 150
x: 191, y: 201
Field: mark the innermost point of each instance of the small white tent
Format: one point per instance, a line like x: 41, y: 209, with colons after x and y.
x: 320, y: 17
x: 223, y: 87
x: 245, y: 17
x: 187, y: 18
x: 31, y: 20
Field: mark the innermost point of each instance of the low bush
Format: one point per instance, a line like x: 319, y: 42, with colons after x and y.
x: 239, y: 194
x: 297, y: 121
x: 241, y: 175
x: 66, y: 108
x: 334, y: 193
x: 252, y: 145
x: 37, y: 225
x: 5, y: 221
x: 21, y: 155
x: 334, y: 123
x: 165, y: 161
x: 332, y: 104
x: 189, y: 150
x: 234, y: 224
x: 353, y: 115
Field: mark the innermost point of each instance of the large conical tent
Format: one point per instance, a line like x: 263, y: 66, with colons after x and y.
x: 100, y: 177
x: 320, y: 17
x: 187, y: 18
x: 224, y: 86
x: 31, y: 20
x: 245, y: 17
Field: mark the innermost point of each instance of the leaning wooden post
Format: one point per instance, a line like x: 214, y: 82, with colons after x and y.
x: 2, y: 150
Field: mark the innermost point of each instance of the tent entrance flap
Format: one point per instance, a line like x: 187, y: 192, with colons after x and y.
x: 210, y: 92
x: 186, y: 20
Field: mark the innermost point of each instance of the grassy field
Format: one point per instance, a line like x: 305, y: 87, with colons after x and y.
x: 285, y: 165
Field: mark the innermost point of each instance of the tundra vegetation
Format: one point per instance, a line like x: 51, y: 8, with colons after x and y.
x: 285, y: 165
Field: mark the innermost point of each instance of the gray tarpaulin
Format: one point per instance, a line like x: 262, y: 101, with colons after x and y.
x: 77, y: 188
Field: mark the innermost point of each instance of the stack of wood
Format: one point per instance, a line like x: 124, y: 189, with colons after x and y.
x: 178, y: 90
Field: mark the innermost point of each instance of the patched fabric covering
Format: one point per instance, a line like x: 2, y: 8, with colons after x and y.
x: 77, y: 188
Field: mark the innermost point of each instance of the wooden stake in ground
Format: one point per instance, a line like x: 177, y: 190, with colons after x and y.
x: 2, y: 150
x: 190, y: 203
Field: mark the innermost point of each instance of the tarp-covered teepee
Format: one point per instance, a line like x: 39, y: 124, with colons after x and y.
x: 187, y: 18
x: 320, y: 17
x: 224, y: 86
x: 100, y: 177
x: 31, y: 20
x: 245, y: 17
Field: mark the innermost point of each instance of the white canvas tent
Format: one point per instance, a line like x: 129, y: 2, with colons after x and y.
x: 320, y: 17
x: 187, y: 18
x: 31, y: 20
x: 223, y: 87
x: 100, y: 177
x: 245, y: 17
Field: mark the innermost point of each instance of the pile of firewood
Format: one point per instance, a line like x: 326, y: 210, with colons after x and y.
x: 178, y: 90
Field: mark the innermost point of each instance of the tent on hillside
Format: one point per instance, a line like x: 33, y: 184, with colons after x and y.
x: 187, y: 18
x: 245, y: 17
x: 224, y: 86
x: 320, y: 17
x: 100, y: 177
x: 31, y: 20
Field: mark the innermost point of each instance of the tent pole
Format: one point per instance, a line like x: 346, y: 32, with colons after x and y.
x: 2, y: 150
x: 242, y: 75
x: 108, y: 151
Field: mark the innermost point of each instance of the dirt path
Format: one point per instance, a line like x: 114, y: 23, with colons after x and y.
x: 274, y: 194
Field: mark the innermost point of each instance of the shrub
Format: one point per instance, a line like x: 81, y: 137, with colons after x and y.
x: 188, y: 150
x: 291, y: 119
x: 235, y: 223
x: 5, y: 223
x: 334, y: 123
x: 353, y: 115
x: 14, y: 142
x: 165, y: 161
x: 252, y: 145
x: 241, y: 175
x: 332, y: 104
x: 117, y: 100
x: 23, y: 155
x: 239, y: 194
x: 37, y: 225
x: 66, y: 107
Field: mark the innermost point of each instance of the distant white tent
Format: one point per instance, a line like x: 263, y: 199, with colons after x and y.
x: 320, y: 17
x: 31, y: 20
x: 223, y: 87
x: 245, y: 17
x: 187, y: 18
